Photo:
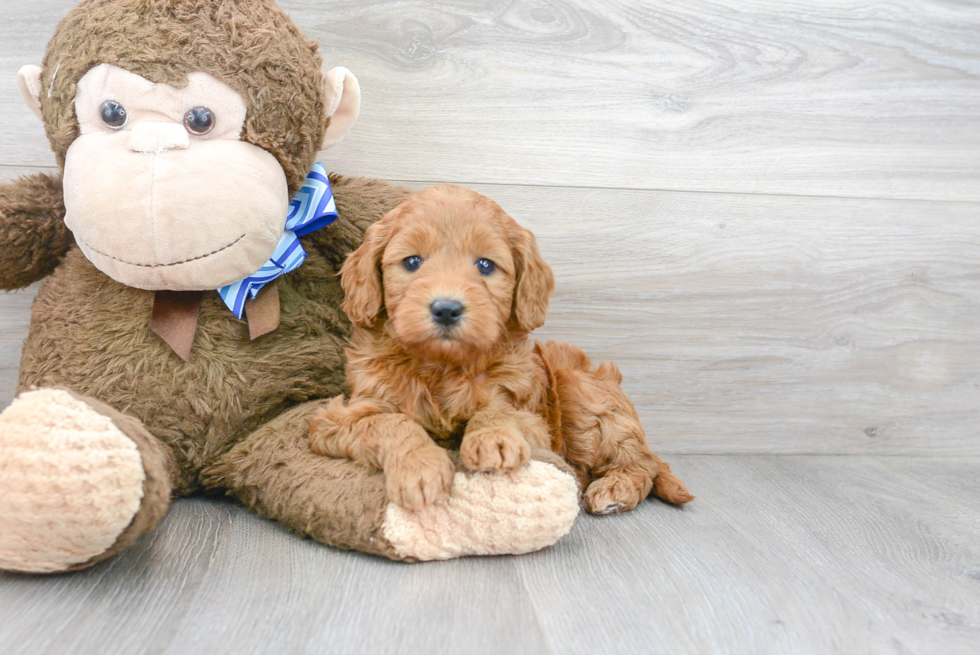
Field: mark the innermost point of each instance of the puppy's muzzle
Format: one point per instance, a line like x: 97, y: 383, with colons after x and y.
x: 446, y: 312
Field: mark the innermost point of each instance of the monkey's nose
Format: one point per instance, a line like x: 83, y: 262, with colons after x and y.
x: 154, y: 138
x: 446, y: 312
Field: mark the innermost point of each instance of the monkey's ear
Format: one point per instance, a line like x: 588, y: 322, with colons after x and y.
x: 343, y: 95
x: 29, y: 83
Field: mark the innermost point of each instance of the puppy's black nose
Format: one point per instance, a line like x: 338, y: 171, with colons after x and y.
x: 446, y: 312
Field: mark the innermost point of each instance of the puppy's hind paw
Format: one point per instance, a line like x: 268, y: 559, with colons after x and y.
x: 616, y: 492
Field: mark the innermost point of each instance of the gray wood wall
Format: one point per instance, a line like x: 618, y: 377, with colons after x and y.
x: 768, y: 213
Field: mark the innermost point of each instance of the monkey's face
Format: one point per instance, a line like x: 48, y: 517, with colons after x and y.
x: 180, y: 153
x: 160, y: 191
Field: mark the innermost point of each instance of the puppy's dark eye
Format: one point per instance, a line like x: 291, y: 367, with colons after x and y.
x: 113, y: 115
x: 485, y: 266
x: 199, y: 120
x: 412, y: 263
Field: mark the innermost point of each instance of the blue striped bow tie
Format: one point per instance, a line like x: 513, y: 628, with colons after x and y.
x: 311, y: 208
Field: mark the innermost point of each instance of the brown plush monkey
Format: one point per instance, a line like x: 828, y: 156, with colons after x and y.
x: 183, y: 129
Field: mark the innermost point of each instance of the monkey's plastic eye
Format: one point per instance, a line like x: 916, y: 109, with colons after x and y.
x: 485, y: 266
x: 412, y: 263
x: 199, y: 120
x: 113, y: 115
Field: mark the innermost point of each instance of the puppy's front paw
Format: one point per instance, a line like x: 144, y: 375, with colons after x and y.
x: 419, y: 478
x: 325, y: 429
x: 494, y: 449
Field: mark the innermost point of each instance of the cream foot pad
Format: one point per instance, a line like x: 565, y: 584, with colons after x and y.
x: 70, y: 482
x: 488, y: 514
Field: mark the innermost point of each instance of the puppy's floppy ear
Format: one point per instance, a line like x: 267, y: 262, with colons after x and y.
x: 360, y: 275
x: 535, y: 281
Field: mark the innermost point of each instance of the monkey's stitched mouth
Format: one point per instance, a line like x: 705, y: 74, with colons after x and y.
x: 183, y: 261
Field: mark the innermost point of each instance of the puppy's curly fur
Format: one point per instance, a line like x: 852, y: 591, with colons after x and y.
x: 443, y: 294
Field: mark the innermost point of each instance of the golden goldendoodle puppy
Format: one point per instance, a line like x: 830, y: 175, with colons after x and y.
x: 443, y: 295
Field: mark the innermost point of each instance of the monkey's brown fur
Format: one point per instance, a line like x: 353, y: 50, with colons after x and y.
x: 33, y: 231
x: 477, y: 384
x: 232, y: 385
x: 218, y: 422
x: 236, y: 417
x: 90, y: 333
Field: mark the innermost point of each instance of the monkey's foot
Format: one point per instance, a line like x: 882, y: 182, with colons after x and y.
x: 488, y: 514
x: 72, y: 483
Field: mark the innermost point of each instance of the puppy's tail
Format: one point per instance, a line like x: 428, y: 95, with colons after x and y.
x: 666, y: 485
x: 595, y: 426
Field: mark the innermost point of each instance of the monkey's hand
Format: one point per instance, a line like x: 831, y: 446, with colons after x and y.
x: 33, y: 235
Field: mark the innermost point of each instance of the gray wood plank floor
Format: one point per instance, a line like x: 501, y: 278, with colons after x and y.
x: 750, y: 323
x: 799, y: 554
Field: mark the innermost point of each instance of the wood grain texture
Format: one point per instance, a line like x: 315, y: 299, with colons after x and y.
x: 15, y: 317
x: 15, y: 310
x: 755, y: 324
x: 793, y: 555
x: 25, y: 28
x: 777, y: 555
x: 845, y: 99
x: 749, y: 323
x: 135, y: 603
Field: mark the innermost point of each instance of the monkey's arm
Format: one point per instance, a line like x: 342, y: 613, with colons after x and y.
x: 33, y: 235
x: 274, y: 472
